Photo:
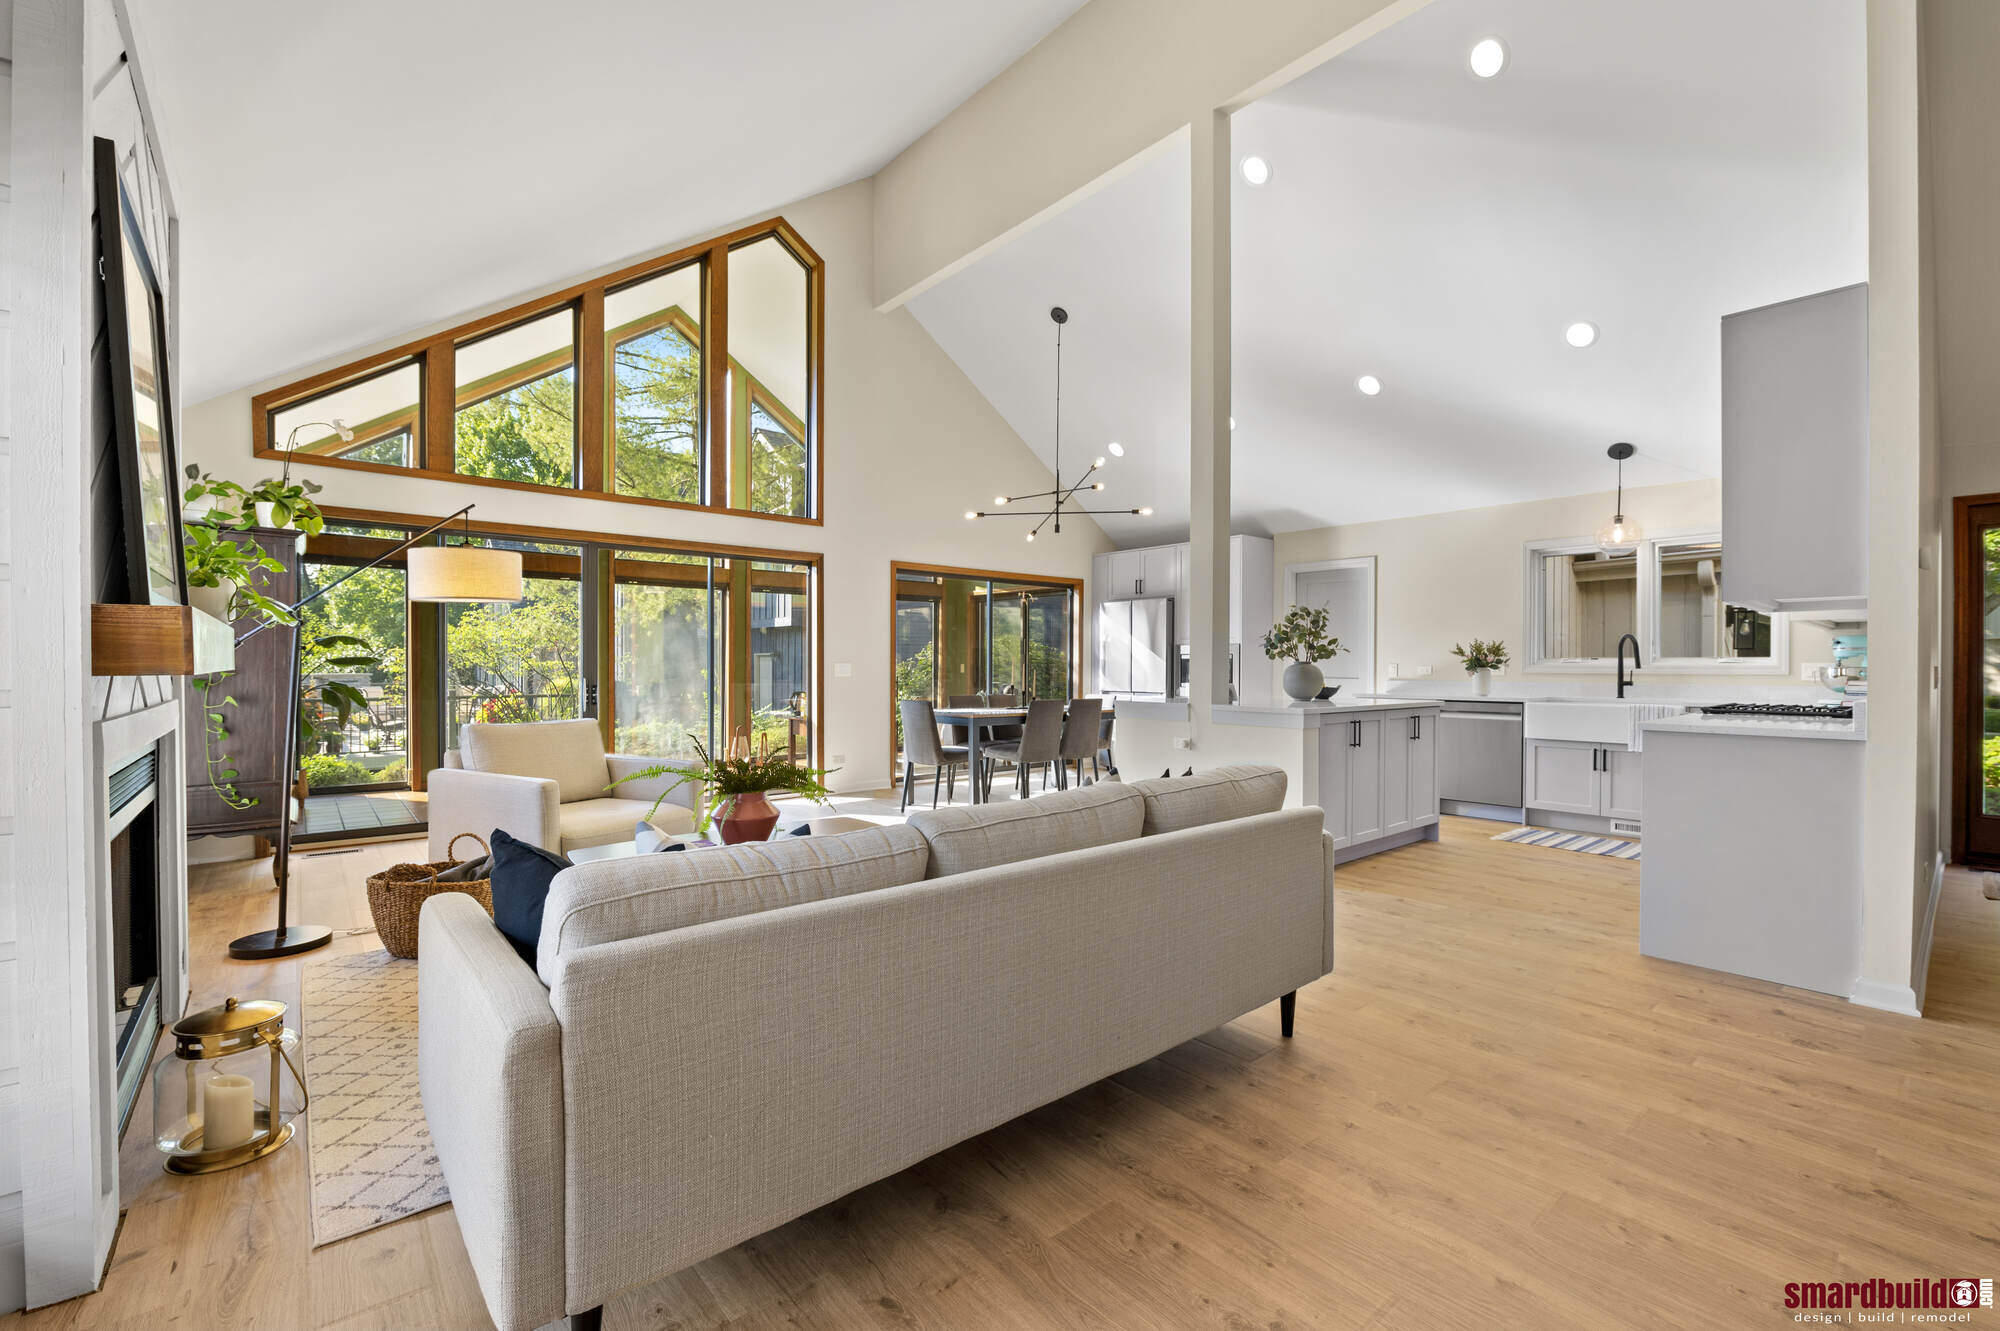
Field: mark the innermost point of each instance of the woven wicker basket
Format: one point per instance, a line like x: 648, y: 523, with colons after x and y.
x: 396, y: 896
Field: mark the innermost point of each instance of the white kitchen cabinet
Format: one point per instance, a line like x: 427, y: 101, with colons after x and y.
x: 1122, y: 572
x: 1560, y: 776
x: 1334, y: 748
x: 1366, y: 810
x: 1795, y: 453
x: 1595, y: 780
x: 1164, y: 570
x: 1395, y: 766
x: 1618, y: 777
x: 1160, y: 571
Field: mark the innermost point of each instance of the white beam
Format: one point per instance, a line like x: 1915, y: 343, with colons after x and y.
x: 1208, y: 413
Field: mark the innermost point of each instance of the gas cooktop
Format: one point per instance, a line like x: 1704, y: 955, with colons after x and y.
x: 1814, y: 711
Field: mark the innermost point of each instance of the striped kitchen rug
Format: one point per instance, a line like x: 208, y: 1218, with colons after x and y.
x: 1582, y: 842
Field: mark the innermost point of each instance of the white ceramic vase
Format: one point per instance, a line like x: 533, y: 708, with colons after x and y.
x: 1482, y: 680
x: 213, y: 600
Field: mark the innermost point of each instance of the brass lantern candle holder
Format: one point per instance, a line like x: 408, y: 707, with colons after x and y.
x: 221, y: 1096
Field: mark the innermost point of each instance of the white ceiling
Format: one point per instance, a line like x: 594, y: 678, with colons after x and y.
x: 1647, y: 167
x: 347, y: 171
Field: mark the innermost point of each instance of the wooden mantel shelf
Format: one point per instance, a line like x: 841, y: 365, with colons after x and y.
x: 158, y: 640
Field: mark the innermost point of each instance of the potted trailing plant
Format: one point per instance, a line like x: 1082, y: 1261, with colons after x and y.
x: 213, y: 501
x: 740, y: 783
x: 221, y: 573
x: 1301, y: 638
x: 287, y: 503
x: 1481, y: 660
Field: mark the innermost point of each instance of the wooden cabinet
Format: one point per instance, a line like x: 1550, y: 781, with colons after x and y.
x: 1378, y: 775
x: 1795, y: 453
x: 256, y: 721
x: 1595, y: 780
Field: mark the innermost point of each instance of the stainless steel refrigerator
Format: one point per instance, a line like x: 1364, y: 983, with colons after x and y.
x: 1135, y: 647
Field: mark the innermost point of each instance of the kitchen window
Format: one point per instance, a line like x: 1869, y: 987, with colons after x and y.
x: 1669, y: 594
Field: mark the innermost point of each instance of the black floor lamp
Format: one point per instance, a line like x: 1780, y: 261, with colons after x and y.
x: 436, y: 573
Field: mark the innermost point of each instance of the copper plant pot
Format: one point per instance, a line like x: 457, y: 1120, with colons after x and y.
x: 750, y: 818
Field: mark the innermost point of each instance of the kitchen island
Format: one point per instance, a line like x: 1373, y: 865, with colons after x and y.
x: 1753, y: 848
x: 1370, y: 765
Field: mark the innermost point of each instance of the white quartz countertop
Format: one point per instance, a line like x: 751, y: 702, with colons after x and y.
x: 1299, y: 715
x: 1762, y: 727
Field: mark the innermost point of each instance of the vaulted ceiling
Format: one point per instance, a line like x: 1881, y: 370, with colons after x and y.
x: 1644, y: 167
x: 348, y: 171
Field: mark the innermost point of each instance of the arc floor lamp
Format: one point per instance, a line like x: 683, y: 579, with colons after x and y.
x: 435, y: 573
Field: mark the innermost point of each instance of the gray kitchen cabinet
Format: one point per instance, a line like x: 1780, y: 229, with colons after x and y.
x: 1795, y: 453
x: 1378, y: 776
x: 1595, y: 780
x: 1335, y: 744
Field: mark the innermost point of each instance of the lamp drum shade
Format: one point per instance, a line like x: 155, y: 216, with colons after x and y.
x: 464, y: 573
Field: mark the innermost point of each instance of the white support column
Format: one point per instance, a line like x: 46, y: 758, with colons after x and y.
x: 1208, y: 416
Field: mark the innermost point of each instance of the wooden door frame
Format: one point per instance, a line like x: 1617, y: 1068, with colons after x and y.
x: 1968, y: 675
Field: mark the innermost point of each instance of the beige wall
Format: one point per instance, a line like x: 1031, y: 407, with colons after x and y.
x: 1445, y: 578
x: 910, y: 445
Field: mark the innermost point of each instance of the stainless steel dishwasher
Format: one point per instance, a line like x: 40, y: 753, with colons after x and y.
x: 1479, y: 757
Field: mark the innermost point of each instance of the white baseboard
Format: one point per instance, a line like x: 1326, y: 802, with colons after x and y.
x: 1897, y: 998
x: 1920, y: 973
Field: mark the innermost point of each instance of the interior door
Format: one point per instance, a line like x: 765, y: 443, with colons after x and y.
x: 1348, y: 596
x: 1976, y: 682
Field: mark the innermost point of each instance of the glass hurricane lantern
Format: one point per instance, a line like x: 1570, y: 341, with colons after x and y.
x: 221, y: 1096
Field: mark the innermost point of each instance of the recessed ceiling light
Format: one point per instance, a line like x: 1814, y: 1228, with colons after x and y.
x: 1488, y: 57
x: 1256, y: 170
x: 1582, y: 333
x: 1116, y: 449
x: 1369, y: 384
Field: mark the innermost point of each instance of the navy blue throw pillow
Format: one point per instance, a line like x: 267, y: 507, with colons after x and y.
x: 521, y: 876
x: 803, y: 829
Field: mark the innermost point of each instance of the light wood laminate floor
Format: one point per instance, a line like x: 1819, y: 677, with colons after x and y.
x: 1495, y: 1113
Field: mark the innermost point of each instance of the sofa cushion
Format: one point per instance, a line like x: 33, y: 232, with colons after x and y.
x: 1006, y: 832
x: 570, y: 753
x: 600, y: 822
x: 1175, y: 803
x: 522, y: 873
x: 607, y: 900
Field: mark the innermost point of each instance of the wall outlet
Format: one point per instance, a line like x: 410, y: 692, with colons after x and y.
x: 1395, y: 671
x: 1809, y: 672
x: 1183, y: 741
x: 843, y: 670
x: 1423, y: 672
x: 835, y: 759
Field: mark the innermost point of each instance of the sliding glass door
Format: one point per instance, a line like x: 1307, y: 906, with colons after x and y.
x: 669, y: 617
x: 958, y: 634
x: 518, y: 662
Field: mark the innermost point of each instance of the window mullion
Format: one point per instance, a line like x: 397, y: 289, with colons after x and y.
x: 715, y: 380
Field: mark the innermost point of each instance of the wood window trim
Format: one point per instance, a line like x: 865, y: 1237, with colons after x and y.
x: 809, y: 580
x: 1054, y: 582
x: 434, y: 357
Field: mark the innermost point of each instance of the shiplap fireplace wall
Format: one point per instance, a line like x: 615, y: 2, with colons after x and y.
x: 70, y: 73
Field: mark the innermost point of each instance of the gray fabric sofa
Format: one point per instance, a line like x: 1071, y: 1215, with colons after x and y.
x: 722, y: 1040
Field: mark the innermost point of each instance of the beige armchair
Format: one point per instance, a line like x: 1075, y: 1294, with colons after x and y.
x: 545, y: 782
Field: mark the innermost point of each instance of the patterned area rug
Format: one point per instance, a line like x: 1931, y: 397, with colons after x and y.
x: 1613, y: 847
x: 370, y: 1148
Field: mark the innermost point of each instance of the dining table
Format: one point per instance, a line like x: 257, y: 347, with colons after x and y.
x: 978, y: 721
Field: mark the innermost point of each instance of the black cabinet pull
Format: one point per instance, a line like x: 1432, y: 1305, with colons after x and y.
x: 1353, y: 734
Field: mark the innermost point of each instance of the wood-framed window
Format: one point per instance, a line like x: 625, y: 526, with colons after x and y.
x: 638, y: 386
x: 658, y: 640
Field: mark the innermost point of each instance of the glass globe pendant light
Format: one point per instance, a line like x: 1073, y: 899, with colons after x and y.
x: 1621, y: 535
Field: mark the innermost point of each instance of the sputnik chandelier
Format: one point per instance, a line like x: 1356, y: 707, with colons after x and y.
x: 1063, y: 498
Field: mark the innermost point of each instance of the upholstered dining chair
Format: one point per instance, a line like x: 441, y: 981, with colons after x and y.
x: 956, y: 734
x: 923, y: 748
x: 1104, y: 725
x: 1040, y: 745
x: 1079, y: 738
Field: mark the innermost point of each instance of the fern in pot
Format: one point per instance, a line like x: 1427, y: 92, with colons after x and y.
x: 1301, y: 638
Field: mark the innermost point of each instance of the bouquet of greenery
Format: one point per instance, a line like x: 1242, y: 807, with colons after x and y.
x: 723, y: 779
x: 1481, y: 655
x: 1302, y: 636
x: 212, y: 560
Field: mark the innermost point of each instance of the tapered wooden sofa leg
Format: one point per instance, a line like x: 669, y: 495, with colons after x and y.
x: 592, y: 1320
x: 1287, y: 1006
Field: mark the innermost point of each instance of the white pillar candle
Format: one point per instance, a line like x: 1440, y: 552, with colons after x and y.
x: 229, y: 1115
